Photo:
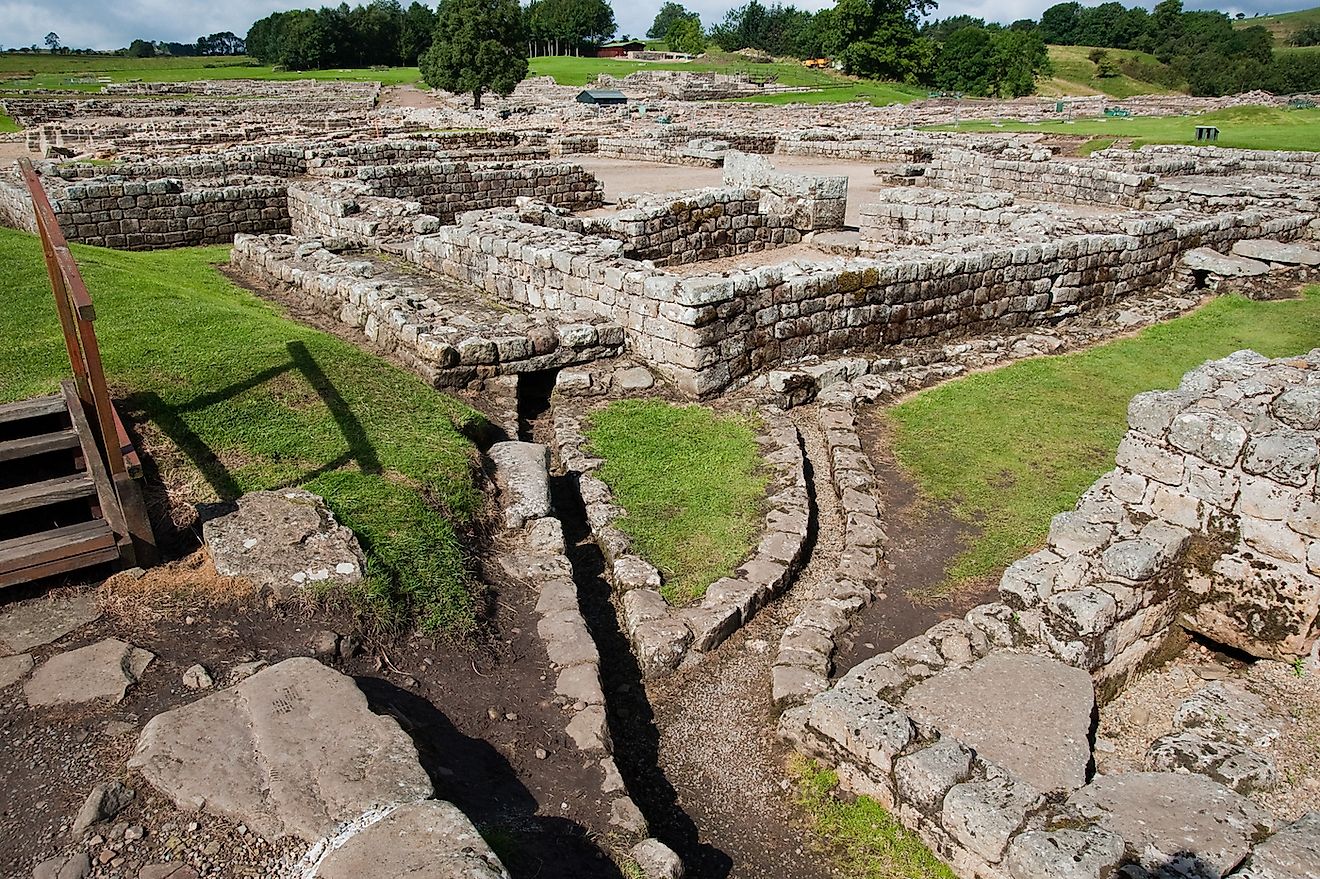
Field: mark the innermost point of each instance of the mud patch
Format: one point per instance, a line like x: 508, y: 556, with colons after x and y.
x: 923, y: 540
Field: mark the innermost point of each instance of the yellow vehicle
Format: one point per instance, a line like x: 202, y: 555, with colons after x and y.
x: 816, y: 63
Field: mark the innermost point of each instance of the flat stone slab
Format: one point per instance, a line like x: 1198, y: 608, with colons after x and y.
x: 427, y: 840
x: 1163, y: 815
x: 1204, y: 259
x: 1276, y: 251
x: 283, y: 541
x: 44, y: 620
x: 101, y: 671
x: 14, y: 668
x: 291, y: 751
x: 1292, y: 853
x: 1029, y: 714
x: 522, y: 472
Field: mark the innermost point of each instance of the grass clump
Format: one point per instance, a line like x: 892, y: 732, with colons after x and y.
x: 234, y: 397
x: 8, y: 125
x: 1008, y: 449
x: 868, y: 842
x: 691, y: 485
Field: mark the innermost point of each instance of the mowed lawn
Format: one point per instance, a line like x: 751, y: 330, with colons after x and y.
x: 1255, y: 128
x: 1010, y: 448
x: 236, y: 397
x: 692, y: 485
x: 81, y: 72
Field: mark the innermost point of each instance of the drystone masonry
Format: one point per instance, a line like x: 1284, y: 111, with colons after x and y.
x: 445, y: 189
x: 1207, y: 522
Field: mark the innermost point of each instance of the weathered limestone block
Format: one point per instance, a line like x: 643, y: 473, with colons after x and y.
x: 522, y: 472
x: 101, y: 671
x: 431, y: 838
x: 1029, y: 714
x: 291, y: 751
x: 1292, y: 853
x: 983, y: 816
x: 283, y: 541
x: 1163, y: 816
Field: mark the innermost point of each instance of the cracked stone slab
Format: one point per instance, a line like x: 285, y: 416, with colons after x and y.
x: 1161, y: 815
x: 101, y: 671
x: 291, y: 751
x: 283, y: 541
x: 1030, y: 714
x: 1292, y: 853
x: 1226, y: 265
x: 44, y: 620
x: 432, y: 839
x: 522, y: 472
x: 1276, y: 251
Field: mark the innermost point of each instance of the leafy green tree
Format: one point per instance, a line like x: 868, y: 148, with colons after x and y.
x: 479, y: 46
x: 880, y: 39
x: 964, y: 62
x: 685, y: 35
x: 1017, y: 60
x: 668, y: 15
x: 1307, y: 36
x: 141, y: 49
x: 415, y: 33
x: 1059, y: 24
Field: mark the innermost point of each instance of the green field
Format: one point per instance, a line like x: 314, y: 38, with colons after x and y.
x: 1074, y: 74
x: 7, y: 125
x: 1009, y: 448
x: 232, y: 397
x: 691, y: 484
x: 1284, y: 24
x: 62, y: 71
x: 1256, y: 128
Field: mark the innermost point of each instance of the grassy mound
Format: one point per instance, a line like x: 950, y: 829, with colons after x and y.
x: 1075, y: 74
x: 234, y: 397
x: 1009, y: 448
x: 691, y: 484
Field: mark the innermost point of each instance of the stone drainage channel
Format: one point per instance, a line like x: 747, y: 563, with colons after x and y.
x: 698, y: 750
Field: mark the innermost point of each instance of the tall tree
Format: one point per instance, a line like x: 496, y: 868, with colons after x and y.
x: 881, y: 40
x: 685, y: 35
x: 415, y: 33
x: 479, y: 46
x: 53, y: 41
x: 669, y: 14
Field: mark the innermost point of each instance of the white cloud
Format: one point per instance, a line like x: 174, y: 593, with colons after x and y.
x: 110, y: 24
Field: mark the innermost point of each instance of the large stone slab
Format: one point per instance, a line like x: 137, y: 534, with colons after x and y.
x: 1030, y: 714
x: 14, y: 668
x: 283, y: 541
x: 44, y: 621
x: 291, y: 751
x: 427, y: 840
x: 101, y: 671
x: 1276, y: 251
x: 1164, y: 816
x: 522, y: 472
x: 1292, y: 853
x: 1203, y: 259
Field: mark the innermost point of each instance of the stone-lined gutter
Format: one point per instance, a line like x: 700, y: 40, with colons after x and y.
x: 662, y: 635
x: 536, y: 554
x: 802, y: 666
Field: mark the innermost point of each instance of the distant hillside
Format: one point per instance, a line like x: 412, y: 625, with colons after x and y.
x: 1284, y: 24
x: 1075, y: 74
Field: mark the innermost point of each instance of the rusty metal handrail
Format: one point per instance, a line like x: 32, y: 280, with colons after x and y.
x: 76, y: 312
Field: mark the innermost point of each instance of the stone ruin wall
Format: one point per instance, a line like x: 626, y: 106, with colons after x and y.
x: 1210, y: 521
x: 446, y: 189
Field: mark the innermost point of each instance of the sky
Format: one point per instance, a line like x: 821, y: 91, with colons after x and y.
x: 99, y: 24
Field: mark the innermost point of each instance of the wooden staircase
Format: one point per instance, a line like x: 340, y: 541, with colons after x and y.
x: 70, y: 496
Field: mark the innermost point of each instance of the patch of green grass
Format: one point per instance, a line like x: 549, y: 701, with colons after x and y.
x: 253, y: 400
x: 867, y: 842
x: 878, y: 94
x: 1095, y: 143
x: 1254, y: 128
x: 62, y: 71
x: 691, y: 484
x: 8, y: 125
x: 1282, y: 25
x: 1010, y: 448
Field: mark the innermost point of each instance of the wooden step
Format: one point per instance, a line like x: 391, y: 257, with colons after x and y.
x: 43, y: 494
x: 57, y: 551
x: 27, y: 446
x: 34, y: 408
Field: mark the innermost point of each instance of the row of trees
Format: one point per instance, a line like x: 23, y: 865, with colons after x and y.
x: 379, y: 33
x: 223, y: 43
x: 557, y: 27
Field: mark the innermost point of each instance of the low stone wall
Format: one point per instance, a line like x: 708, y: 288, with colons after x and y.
x: 454, y: 342
x: 1207, y: 521
x: 811, y: 202
x: 1037, y: 175
x: 347, y: 213
x: 640, y: 150
x: 699, y: 225
x: 1209, y: 160
x: 445, y: 189
x: 662, y: 635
